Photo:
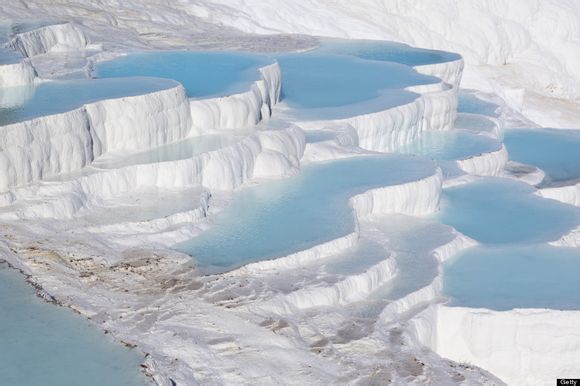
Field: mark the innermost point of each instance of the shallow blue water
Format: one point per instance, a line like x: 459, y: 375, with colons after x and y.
x: 46, y: 345
x: 8, y: 56
x: 326, y: 84
x: 358, y: 259
x: 386, y: 51
x: 531, y: 276
x: 64, y: 95
x: 450, y: 145
x: 501, y: 211
x: 478, y: 124
x: 184, y: 149
x: 469, y: 103
x: 282, y: 217
x: 514, y: 268
x: 203, y: 74
x: 556, y: 152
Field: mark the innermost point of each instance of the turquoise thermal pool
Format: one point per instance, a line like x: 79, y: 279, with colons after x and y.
x: 175, y: 151
x: 54, y: 97
x: 556, y: 152
x: 501, y: 211
x: 47, y: 345
x: 203, y: 74
x: 329, y: 86
x: 282, y: 217
x: 450, y: 145
x: 524, y: 276
x: 386, y: 51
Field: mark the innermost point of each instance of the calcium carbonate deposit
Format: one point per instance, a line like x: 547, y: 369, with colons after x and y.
x: 304, y: 192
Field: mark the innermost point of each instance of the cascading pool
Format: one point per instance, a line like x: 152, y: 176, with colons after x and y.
x: 203, y: 74
x: 53, y: 97
x: 479, y: 124
x: 330, y: 86
x: 450, y: 145
x: 556, y: 152
x: 471, y: 104
x: 513, y: 268
x: 386, y: 51
x: 282, y: 217
x: 502, y: 211
x: 175, y: 151
x: 521, y: 276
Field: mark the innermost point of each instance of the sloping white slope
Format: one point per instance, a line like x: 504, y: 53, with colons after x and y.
x: 56, y: 37
x: 541, y: 35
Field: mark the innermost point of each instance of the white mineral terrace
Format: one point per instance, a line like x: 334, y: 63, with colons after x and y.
x: 102, y: 203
